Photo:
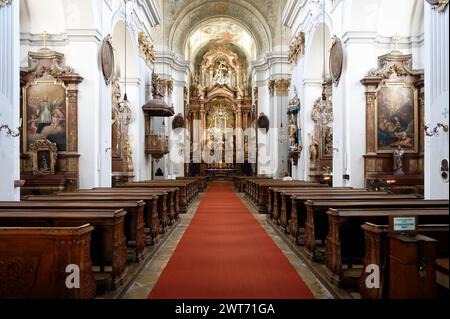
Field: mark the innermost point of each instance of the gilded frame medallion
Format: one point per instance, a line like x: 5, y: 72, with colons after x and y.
x: 336, y: 60
x: 107, y: 60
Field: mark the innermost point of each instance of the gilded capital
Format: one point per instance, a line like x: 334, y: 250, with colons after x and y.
x: 282, y: 87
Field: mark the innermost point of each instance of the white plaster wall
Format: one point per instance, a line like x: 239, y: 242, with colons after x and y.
x: 436, y: 99
x: 9, y: 100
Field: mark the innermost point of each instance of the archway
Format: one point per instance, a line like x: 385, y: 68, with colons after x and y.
x: 123, y: 133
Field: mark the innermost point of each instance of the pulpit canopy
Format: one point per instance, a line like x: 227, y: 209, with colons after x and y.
x: 158, y: 108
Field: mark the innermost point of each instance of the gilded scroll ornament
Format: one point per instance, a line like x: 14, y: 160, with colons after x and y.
x: 438, y: 5
x: 4, y: 3
x: 146, y: 48
x: 297, y: 48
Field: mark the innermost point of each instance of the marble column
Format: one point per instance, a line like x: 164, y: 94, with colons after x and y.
x: 9, y: 100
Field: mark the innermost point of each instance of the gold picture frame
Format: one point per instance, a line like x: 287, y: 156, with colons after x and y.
x: 49, y: 96
x: 396, y: 117
x: 43, y: 156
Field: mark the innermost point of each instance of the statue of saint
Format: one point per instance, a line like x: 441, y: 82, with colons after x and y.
x: 398, y: 161
x: 292, y: 134
x: 313, y: 150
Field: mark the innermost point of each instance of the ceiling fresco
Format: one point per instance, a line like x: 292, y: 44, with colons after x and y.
x: 260, y: 19
x: 222, y: 31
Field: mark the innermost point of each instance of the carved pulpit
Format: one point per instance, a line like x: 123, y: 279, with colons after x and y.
x: 49, y: 99
x: 394, y: 118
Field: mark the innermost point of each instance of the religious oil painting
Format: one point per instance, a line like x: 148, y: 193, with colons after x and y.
x: 107, y: 60
x: 45, y: 114
x: 44, y: 161
x: 397, y: 118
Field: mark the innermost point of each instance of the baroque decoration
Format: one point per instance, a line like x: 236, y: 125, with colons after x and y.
x: 297, y: 48
x: 321, y: 141
x: 394, y: 118
x: 43, y: 155
x: 49, y: 98
x: 146, y: 48
x: 438, y: 5
x: 336, y: 60
x: 4, y: 3
x: 294, y: 128
x: 107, y: 60
x: 220, y: 100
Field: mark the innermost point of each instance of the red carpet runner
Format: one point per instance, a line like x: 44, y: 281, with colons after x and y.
x: 226, y: 254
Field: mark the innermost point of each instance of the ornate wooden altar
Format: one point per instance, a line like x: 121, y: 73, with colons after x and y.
x: 220, y: 103
x: 395, y: 117
x: 49, y: 98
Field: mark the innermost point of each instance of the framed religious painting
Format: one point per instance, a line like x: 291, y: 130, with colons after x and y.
x: 45, y: 110
x: 396, y: 118
x: 336, y: 60
x: 107, y: 60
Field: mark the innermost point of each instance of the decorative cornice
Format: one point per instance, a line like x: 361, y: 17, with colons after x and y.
x: 297, y: 48
x: 146, y: 48
x: 4, y: 3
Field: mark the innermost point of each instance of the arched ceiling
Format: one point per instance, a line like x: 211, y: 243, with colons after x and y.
x: 261, y: 18
x: 221, y: 31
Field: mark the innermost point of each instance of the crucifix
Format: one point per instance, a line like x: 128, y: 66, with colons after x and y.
x: 44, y: 36
x: 396, y: 38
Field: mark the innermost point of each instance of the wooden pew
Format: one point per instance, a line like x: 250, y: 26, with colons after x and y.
x: 170, y: 195
x: 316, y: 225
x: 33, y: 262
x: 108, y: 244
x: 188, y: 190
x: 299, y: 210
x: 202, y: 181
x: 377, y: 253
x: 259, y: 194
x: 157, y: 219
x: 345, y: 240
x: 134, y: 220
x: 279, y: 201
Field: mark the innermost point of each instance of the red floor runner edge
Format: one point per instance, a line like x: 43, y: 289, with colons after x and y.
x: 226, y: 254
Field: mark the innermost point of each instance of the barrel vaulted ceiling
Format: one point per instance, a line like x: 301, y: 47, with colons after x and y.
x: 261, y: 18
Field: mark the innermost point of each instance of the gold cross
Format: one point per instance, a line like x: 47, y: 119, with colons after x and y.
x: 44, y: 36
x: 396, y: 38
